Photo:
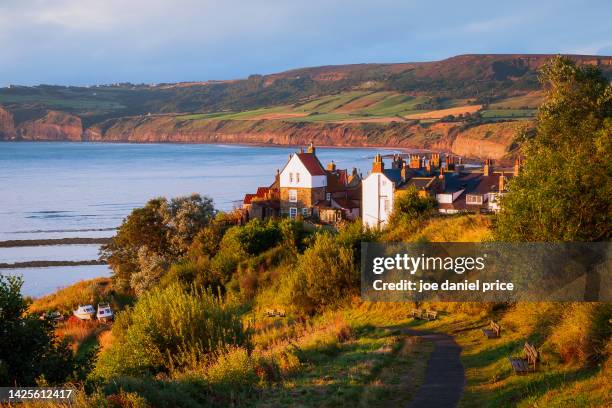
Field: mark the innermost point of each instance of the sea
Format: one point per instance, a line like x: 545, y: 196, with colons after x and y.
x: 51, y: 190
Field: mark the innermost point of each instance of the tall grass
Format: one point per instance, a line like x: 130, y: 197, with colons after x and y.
x: 169, y: 329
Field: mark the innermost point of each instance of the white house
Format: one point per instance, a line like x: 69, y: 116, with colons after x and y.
x: 302, y: 183
x: 378, y: 190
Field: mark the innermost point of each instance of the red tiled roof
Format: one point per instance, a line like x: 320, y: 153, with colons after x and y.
x: 312, y: 164
x: 262, y: 191
x: 248, y: 198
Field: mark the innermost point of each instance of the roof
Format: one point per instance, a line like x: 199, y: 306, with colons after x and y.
x: 334, y: 182
x: 312, y: 163
x: 420, y: 182
x: 248, y: 198
x: 346, y: 204
x: 395, y: 175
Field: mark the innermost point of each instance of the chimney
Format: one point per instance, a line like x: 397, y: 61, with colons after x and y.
x: 435, y: 160
x: 517, y: 166
x: 311, y: 148
x: 331, y: 166
x: 428, y: 166
x: 354, y: 172
x: 450, y: 162
x: 378, y: 166
x: 488, y: 168
x: 398, y: 162
x: 404, y: 172
x: 502, y: 182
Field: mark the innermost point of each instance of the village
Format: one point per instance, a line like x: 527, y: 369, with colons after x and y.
x: 328, y: 195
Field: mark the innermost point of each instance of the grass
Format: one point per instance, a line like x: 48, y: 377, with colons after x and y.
x: 490, y: 380
x: 92, y: 292
x: 358, y: 357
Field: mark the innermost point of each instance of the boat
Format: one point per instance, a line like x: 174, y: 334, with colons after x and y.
x: 86, y: 312
x: 105, y: 312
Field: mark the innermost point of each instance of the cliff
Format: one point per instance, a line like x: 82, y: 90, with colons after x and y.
x: 7, y: 125
x: 485, y: 141
x: 53, y: 126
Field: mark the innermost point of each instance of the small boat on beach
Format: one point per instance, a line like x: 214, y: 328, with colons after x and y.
x: 86, y: 312
x: 105, y: 312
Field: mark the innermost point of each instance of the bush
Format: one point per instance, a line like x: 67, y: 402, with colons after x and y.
x: 325, y: 275
x: 170, y: 329
x: 234, y: 369
x: 583, y: 333
x: 29, y: 350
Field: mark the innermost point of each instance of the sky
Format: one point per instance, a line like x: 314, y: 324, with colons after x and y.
x: 87, y: 42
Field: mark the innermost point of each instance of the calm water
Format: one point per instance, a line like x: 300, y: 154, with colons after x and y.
x: 58, y: 190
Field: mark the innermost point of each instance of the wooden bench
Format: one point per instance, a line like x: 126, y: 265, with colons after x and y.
x: 274, y: 313
x: 493, y: 332
x: 430, y: 315
x: 527, y: 363
x: 424, y: 314
x: 417, y: 313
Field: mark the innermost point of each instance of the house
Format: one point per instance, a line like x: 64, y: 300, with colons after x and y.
x: 381, y: 187
x: 342, y: 196
x: 303, y: 183
x: 304, y: 188
x: 455, y: 189
x: 264, y: 204
x: 475, y: 192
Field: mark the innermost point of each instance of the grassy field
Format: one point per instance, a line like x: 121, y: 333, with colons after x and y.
x: 366, y: 106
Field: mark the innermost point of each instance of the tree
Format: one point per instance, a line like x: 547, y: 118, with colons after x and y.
x: 325, y: 274
x: 563, y: 191
x: 163, y: 231
x: 28, y: 348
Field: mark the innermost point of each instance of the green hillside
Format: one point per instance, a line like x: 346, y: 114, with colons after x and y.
x: 328, y: 93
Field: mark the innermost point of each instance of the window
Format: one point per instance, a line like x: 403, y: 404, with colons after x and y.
x: 292, y: 212
x: 474, y: 199
x: 291, y: 177
x: 297, y: 177
x: 328, y: 196
x: 305, y: 212
x: 386, y: 205
x: 293, y: 196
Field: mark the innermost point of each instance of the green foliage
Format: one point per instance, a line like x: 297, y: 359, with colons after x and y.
x: 153, y: 237
x: 325, y: 275
x: 563, y: 192
x: 409, y: 212
x: 233, y: 370
x: 28, y: 348
x: 170, y: 329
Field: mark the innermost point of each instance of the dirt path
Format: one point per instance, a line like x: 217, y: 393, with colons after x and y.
x: 445, y: 377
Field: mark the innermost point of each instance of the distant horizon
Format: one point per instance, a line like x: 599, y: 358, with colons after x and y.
x: 115, y: 83
x: 88, y: 42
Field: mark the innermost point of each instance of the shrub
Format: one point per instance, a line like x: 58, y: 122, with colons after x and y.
x: 170, y: 329
x: 583, y: 333
x: 29, y: 350
x: 234, y: 369
x: 325, y: 275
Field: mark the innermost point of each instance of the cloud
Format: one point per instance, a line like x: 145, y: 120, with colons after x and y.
x: 101, y: 41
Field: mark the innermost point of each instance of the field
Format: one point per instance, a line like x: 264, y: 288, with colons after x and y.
x: 367, y: 107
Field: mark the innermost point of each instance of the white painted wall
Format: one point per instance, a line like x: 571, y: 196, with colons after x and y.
x: 295, y: 166
x: 376, y: 189
x: 448, y: 198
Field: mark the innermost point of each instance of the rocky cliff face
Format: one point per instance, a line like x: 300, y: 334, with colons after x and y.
x: 484, y: 141
x: 53, y: 126
x: 7, y: 125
